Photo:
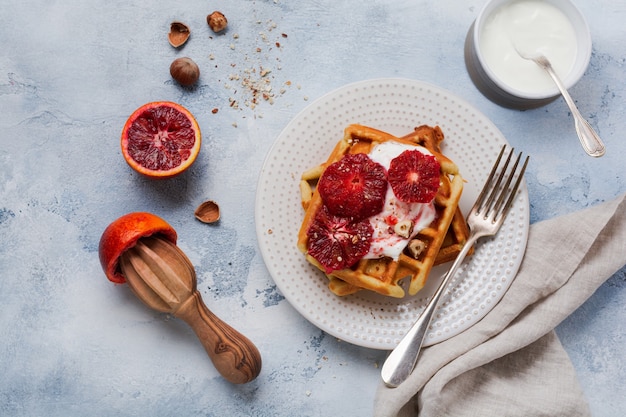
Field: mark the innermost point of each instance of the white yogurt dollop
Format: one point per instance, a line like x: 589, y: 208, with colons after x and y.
x: 385, y: 242
x: 533, y: 27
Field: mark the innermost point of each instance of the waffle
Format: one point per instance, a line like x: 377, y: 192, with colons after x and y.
x: 440, y: 242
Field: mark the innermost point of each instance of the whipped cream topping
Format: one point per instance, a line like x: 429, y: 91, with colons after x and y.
x: 385, y: 241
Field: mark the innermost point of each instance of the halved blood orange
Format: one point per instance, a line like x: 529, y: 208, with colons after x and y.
x: 161, y: 139
x: 123, y: 233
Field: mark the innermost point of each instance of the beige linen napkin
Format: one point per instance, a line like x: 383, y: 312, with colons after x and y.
x: 511, y: 363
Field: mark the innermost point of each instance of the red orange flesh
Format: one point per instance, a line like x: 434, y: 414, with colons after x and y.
x: 161, y: 139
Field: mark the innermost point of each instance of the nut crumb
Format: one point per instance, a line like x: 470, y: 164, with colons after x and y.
x: 251, y: 85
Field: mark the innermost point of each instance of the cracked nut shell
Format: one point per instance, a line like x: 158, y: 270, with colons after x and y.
x: 179, y: 33
x: 208, y: 212
x: 185, y: 71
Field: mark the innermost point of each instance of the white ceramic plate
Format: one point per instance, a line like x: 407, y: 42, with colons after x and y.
x: 397, y: 106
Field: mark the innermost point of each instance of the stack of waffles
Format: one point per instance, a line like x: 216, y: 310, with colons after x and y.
x: 437, y: 243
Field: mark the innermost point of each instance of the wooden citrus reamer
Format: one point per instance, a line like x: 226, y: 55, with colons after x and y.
x: 162, y: 276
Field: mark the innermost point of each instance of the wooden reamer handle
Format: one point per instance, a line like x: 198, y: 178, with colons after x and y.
x: 235, y: 357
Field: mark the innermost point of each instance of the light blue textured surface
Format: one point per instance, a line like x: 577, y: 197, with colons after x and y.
x: 71, y: 72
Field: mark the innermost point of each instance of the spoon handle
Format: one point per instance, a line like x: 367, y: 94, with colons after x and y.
x: 235, y: 357
x: 589, y: 139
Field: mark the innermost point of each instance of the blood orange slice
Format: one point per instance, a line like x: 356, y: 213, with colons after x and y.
x: 338, y: 242
x: 123, y: 233
x: 161, y: 139
x: 355, y: 186
x: 414, y: 177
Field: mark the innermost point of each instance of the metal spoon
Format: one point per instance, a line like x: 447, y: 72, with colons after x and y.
x: 589, y: 139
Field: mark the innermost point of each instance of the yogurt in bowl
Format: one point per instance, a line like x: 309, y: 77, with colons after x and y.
x: 507, y: 29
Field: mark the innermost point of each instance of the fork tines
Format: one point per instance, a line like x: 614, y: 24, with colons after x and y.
x: 492, y: 200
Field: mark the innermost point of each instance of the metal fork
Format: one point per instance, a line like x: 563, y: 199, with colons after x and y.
x: 484, y: 219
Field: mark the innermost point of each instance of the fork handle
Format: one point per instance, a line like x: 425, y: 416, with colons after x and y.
x: 401, y: 361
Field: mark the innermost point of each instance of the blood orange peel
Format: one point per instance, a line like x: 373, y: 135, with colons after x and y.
x: 123, y: 233
x: 161, y: 139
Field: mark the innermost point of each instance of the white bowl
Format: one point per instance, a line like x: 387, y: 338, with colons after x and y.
x: 497, y: 90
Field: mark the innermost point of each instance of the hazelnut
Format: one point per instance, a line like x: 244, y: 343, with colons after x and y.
x: 185, y: 71
x: 217, y: 21
x: 404, y: 228
x: 179, y: 33
x: 416, y: 247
